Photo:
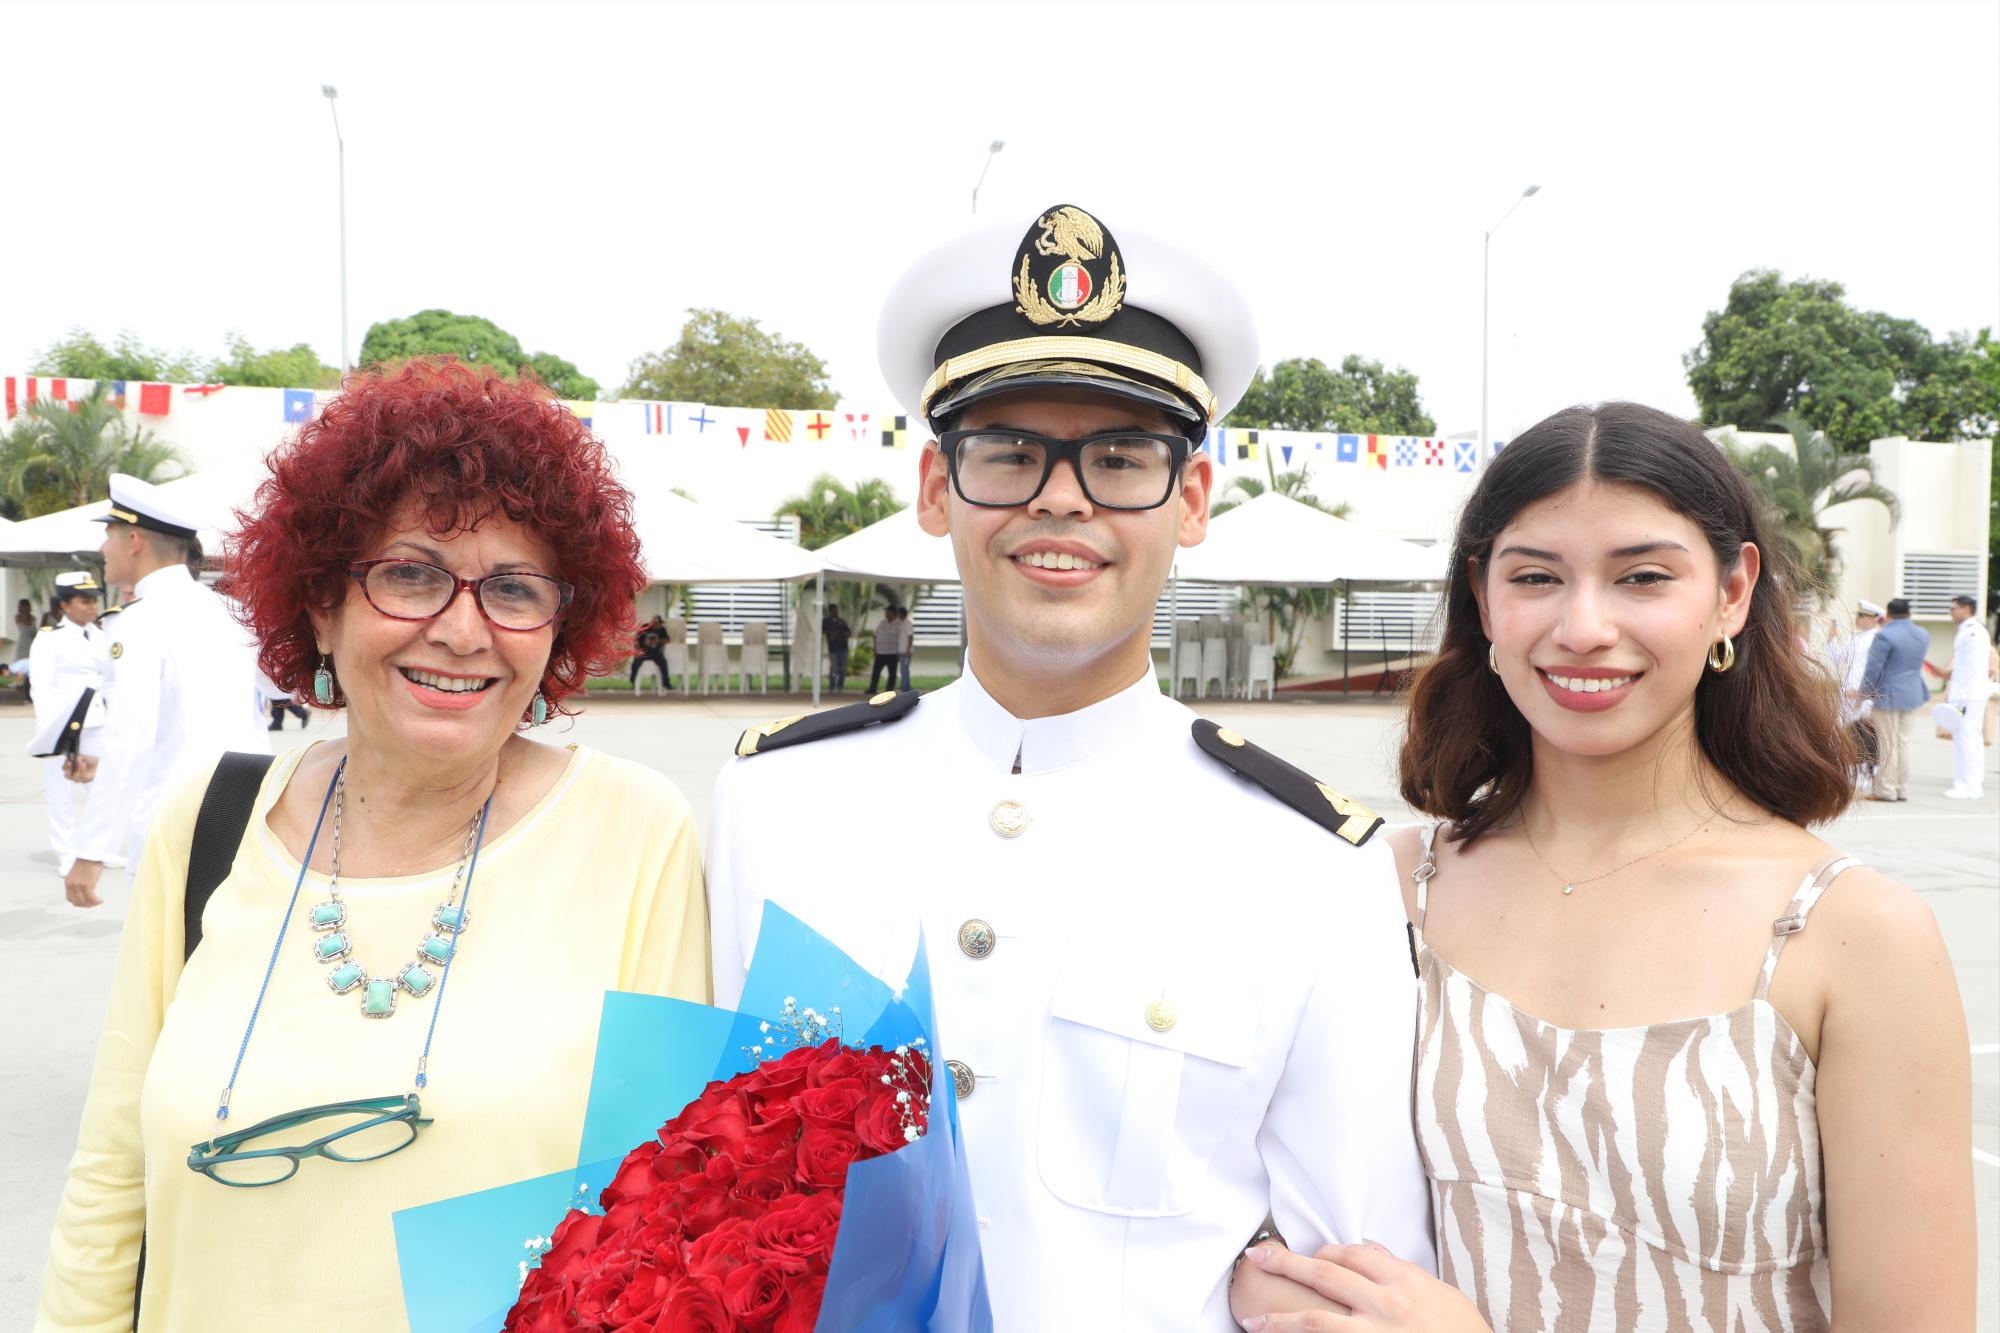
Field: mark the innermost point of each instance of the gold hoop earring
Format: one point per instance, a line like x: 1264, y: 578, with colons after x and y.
x: 1725, y: 659
x: 1492, y: 659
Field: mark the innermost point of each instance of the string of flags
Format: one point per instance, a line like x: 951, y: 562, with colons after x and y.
x: 701, y: 423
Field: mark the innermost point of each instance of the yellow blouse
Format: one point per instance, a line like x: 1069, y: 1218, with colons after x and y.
x: 597, y: 888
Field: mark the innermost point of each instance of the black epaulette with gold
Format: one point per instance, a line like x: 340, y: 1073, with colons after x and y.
x: 1294, y: 786
x: 888, y: 706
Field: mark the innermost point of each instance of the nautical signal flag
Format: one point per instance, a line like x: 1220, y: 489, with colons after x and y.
x: 819, y: 425
x: 156, y: 400
x: 1465, y: 455
x: 1347, y: 448
x: 659, y: 418
x: 857, y: 427
x: 115, y: 395
x: 1498, y: 445
x: 1378, y: 452
x: 14, y: 401
x: 778, y: 426
x: 298, y: 404
x: 1249, y: 446
x: 1406, y: 452
x: 895, y: 432
x: 701, y: 420
x: 1433, y: 453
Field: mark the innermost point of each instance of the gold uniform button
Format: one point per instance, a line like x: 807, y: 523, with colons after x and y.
x: 885, y: 697
x: 976, y: 939
x: 1009, y: 819
x: 1230, y: 738
x: 963, y: 1080
x: 1160, y: 1016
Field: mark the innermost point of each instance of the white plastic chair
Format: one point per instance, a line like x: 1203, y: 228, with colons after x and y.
x: 649, y: 671
x: 1263, y: 670
x: 1214, y: 666
x: 712, y: 655
x: 1187, y: 658
x: 677, y: 652
x: 755, y: 656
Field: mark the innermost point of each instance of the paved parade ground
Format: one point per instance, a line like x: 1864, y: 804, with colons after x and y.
x: 55, y: 961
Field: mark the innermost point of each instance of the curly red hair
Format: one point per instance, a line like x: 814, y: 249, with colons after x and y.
x: 462, y: 445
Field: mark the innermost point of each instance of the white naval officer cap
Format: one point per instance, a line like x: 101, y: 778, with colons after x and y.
x: 1868, y: 608
x: 1066, y: 305
x: 143, y: 505
x: 77, y: 583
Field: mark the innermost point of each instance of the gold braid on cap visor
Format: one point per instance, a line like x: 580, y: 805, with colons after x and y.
x: 1122, y: 355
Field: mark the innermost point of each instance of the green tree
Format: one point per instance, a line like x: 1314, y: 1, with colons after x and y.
x: 1304, y: 393
x: 58, y: 456
x: 1799, y: 485
x: 475, y: 340
x: 730, y: 361
x: 829, y: 509
x: 294, y: 367
x: 79, y: 355
x: 1289, y: 610
x: 1779, y: 347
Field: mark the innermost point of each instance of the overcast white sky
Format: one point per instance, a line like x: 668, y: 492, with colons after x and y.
x: 583, y: 173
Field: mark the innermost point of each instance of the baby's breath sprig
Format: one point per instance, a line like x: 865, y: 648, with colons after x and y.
x: 910, y: 1074
x: 795, y: 1027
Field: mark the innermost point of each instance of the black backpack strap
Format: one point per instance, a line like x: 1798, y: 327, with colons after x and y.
x: 218, y: 831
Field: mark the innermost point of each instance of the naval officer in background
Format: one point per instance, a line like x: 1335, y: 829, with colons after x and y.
x: 180, y: 689
x: 67, y: 659
x: 1170, y: 969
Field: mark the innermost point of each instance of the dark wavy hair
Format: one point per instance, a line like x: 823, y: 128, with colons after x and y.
x: 463, y: 445
x: 1771, y: 725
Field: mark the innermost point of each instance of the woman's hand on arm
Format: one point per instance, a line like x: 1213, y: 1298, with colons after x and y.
x: 1894, y: 1092
x: 1353, y: 1288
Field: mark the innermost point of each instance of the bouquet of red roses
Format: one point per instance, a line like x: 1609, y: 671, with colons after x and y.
x: 726, y: 1221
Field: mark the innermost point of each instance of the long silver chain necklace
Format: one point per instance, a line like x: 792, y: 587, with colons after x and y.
x: 334, y: 944
x: 1569, y: 885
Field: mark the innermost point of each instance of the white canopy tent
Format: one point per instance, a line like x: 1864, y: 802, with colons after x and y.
x: 891, y: 550
x: 68, y: 536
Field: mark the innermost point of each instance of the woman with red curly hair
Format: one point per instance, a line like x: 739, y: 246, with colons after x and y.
x: 445, y: 558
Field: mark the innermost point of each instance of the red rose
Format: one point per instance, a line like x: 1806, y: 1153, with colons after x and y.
x: 635, y: 1177
x: 761, y: 1184
x: 721, y: 1248
x: 644, y: 1296
x: 596, y: 1294
x: 831, y: 1105
x: 839, y: 1062
x: 802, y: 1300
x: 679, y: 1158
x: 879, y: 1124
x: 724, y: 1123
x: 754, y: 1294
x: 576, y: 1236
x: 695, y: 1306
x: 772, y: 1147
x: 707, y: 1207
x: 823, y: 1158
x: 802, y: 1227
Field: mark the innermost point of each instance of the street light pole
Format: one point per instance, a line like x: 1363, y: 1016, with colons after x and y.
x: 991, y: 150
x: 1485, y: 306
x: 340, y: 146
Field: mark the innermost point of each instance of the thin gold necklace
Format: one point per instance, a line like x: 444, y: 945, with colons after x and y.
x: 1569, y: 885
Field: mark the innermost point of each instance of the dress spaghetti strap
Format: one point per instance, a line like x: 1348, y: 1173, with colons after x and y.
x: 1815, y: 884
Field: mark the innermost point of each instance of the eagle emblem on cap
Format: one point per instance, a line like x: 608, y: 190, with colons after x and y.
x: 1069, y: 273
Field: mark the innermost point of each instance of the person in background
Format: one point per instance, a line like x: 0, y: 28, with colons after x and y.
x: 26, y: 626
x: 181, y: 688
x: 1894, y: 681
x: 67, y: 660
x: 651, y: 643
x: 387, y: 569
x: 836, y: 630
x: 906, y: 646
x: 1849, y: 660
x: 887, y: 639
x: 1966, y: 691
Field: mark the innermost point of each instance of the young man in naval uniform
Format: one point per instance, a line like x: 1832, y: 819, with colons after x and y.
x: 66, y: 664
x: 181, y: 687
x: 1170, y: 969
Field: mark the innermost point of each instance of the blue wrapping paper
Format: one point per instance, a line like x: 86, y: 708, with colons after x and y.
x: 907, y: 1256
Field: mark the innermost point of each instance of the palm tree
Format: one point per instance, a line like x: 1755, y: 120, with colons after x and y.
x: 1289, y: 610
x: 1798, y: 487
x: 829, y: 509
x: 60, y: 455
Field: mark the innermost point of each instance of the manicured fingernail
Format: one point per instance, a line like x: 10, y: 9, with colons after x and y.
x: 1253, y: 1323
x: 1259, y: 1255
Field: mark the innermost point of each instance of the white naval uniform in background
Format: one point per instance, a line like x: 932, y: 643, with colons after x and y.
x: 63, y: 662
x: 1966, y: 693
x: 1118, y: 1171
x: 180, y: 690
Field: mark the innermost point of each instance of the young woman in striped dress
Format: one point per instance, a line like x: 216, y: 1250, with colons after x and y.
x: 1681, y: 1065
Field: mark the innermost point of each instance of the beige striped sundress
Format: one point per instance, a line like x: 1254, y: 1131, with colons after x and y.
x: 1627, y: 1180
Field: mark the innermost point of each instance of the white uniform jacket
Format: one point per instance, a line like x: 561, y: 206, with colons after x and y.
x: 65, y: 661
x: 1118, y: 1171
x: 181, y: 689
x: 1969, y: 650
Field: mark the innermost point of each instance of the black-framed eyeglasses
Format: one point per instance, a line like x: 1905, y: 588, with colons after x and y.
x: 364, y: 1130
x: 417, y: 590
x: 1122, y: 469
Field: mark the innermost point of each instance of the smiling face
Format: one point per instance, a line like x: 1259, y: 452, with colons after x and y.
x: 1059, y: 593
x: 455, y: 684
x: 80, y: 610
x: 1602, y: 603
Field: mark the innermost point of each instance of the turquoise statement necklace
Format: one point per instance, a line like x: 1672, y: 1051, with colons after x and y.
x: 378, y: 994
x: 468, y: 867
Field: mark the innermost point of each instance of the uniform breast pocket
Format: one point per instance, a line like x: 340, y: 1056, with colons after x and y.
x: 1130, y: 1115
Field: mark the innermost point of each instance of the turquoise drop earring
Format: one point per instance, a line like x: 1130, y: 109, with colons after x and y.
x: 323, y: 684
x: 538, y: 711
